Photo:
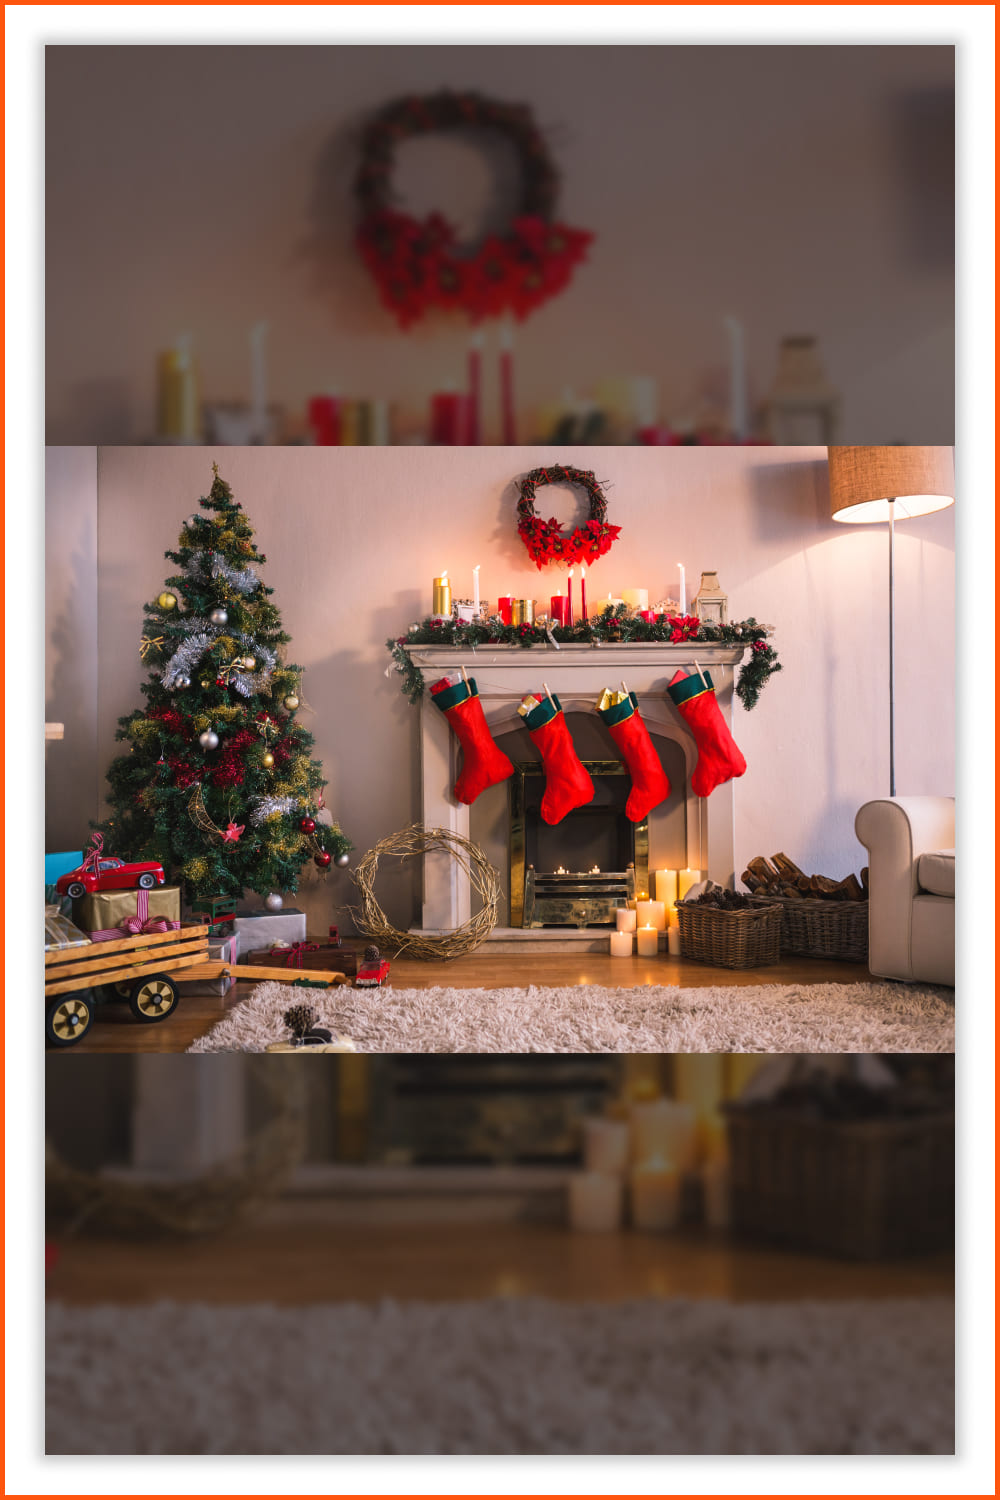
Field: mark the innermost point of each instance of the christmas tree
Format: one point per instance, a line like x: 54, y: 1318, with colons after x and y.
x: 218, y: 783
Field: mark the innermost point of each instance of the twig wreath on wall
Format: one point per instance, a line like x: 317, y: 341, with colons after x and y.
x: 417, y: 263
x: 545, y: 540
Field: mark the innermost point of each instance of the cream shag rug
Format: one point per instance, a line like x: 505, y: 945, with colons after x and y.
x: 503, y: 1376
x: 875, y: 1016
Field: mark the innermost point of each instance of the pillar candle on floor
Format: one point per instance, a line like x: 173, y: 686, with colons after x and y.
x: 656, y: 1195
x: 651, y: 914
x: 674, y: 941
x: 648, y: 939
x: 605, y: 1145
x: 685, y: 880
x: 663, y: 1128
x: 666, y: 891
x: 625, y: 919
x: 621, y: 945
x: 595, y: 1202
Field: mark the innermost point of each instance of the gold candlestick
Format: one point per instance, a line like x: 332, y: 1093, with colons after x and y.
x: 441, y: 596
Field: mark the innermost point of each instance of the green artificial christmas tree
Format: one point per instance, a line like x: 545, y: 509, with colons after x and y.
x: 218, y: 784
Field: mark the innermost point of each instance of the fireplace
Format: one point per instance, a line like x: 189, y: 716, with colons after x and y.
x: 574, y: 873
x: 687, y: 832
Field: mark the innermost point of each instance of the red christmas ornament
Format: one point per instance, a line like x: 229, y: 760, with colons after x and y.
x: 308, y: 825
x: 322, y: 859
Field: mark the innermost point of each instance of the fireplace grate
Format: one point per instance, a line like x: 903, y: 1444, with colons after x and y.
x: 583, y: 899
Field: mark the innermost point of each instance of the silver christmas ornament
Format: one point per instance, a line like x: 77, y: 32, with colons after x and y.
x: 219, y: 617
x: 342, y: 860
x: 209, y: 740
x: 192, y: 522
x: 273, y: 901
x: 414, y: 629
x: 183, y: 681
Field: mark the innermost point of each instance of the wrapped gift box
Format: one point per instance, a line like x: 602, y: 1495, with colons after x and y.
x: 102, y: 914
x: 220, y: 951
x: 60, y: 932
x: 318, y: 953
x: 263, y: 929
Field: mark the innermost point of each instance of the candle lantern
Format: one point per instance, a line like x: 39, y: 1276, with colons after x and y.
x: 710, y: 603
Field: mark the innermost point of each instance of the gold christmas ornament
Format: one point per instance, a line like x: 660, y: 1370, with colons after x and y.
x: 268, y: 758
x: 249, y: 662
x: 291, y: 703
x: 166, y: 601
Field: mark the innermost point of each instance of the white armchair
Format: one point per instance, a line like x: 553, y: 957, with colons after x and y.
x: 911, y: 908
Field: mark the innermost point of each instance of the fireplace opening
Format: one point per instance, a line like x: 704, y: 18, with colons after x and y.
x: 576, y: 872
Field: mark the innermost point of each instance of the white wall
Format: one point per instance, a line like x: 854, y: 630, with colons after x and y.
x: 354, y: 536
x: 804, y: 189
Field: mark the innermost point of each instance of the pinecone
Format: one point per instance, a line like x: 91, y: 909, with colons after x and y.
x: 299, y: 1018
x: 372, y: 955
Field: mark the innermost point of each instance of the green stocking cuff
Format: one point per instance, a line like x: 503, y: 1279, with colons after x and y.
x: 449, y: 697
x: 690, y: 687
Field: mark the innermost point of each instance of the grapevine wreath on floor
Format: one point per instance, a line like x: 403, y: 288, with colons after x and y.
x: 545, y: 540
x: 483, y: 878
x: 418, y: 264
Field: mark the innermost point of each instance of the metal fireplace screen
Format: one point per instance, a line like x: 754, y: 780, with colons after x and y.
x: 575, y: 873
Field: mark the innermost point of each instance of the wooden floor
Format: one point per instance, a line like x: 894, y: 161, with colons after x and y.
x: 285, y: 1259
x: 114, y: 1030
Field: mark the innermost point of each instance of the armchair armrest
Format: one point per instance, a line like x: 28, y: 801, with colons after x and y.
x: 896, y: 831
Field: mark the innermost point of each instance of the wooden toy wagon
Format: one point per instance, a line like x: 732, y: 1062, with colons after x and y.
x: 142, y: 970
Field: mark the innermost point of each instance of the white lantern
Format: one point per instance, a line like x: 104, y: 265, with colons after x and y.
x: 711, y: 605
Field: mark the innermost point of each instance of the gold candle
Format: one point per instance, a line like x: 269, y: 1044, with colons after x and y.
x: 522, y: 612
x: 441, y: 595
x: 177, y: 395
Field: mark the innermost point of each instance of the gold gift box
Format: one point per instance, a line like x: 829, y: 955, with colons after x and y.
x: 106, y: 909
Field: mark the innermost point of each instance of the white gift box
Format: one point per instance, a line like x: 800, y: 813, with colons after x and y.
x: 266, y: 929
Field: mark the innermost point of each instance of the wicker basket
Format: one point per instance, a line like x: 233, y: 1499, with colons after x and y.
x: 746, y: 939
x: 863, y: 1189
x: 822, y: 929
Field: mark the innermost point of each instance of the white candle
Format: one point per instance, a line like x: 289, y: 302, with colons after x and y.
x: 656, y: 1194
x: 738, y: 426
x: 685, y: 880
x: 621, y: 945
x: 595, y: 1202
x: 624, y: 919
x: 636, y: 598
x: 475, y: 587
x: 648, y: 939
x: 683, y: 597
x: 605, y: 1145
x: 651, y: 914
x: 666, y: 891
x: 674, y: 941
x: 663, y: 1127
x: 715, y: 1192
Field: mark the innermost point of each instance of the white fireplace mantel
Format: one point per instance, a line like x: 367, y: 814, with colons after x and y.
x: 577, y: 674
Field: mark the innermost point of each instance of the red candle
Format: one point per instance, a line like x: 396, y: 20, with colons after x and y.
x: 558, y: 609
x: 324, y: 421
x: 505, y: 608
x: 649, y: 615
x: 583, y: 594
x: 509, y: 437
x: 450, y: 419
x: 569, y: 598
x: 475, y: 387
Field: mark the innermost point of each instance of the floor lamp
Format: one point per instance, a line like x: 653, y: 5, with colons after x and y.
x: 890, y: 484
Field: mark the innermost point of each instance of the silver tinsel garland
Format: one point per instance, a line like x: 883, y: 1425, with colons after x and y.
x: 186, y: 657
x: 214, y: 565
x: 248, y: 683
x: 269, y: 807
x: 201, y: 635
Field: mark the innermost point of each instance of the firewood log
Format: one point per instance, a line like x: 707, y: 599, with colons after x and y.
x: 760, y: 867
x: 786, y: 868
x: 864, y: 881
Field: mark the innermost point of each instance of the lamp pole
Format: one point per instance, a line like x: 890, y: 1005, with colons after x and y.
x: 892, y: 631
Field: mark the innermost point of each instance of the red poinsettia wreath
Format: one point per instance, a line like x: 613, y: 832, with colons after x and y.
x: 545, y: 540
x: 418, y: 264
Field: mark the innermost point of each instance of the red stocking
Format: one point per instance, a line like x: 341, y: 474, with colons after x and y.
x: 719, y: 756
x: 567, y: 781
x: 483, y: 762
x: 650, y: 786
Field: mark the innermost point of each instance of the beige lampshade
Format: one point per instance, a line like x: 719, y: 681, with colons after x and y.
x: 864, y: 480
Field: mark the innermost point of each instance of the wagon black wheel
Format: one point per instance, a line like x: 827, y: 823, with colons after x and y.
x: 75, y: 890
x: 147, y: 881
x: 153, y: 998
x: 67, y: 1020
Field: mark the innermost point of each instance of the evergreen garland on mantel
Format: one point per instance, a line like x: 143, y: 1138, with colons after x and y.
x: 615, y: 626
